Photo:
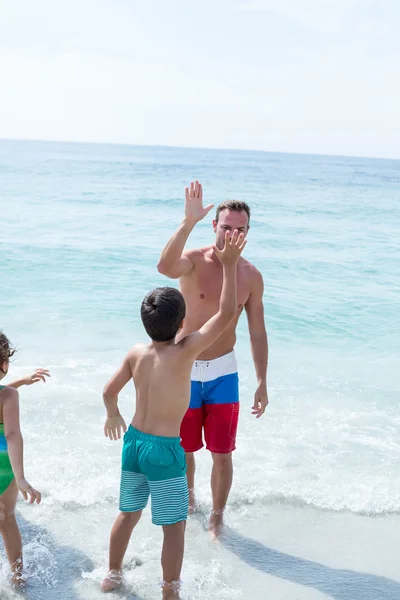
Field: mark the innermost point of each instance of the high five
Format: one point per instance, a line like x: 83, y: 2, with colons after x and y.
x: 214, y: 404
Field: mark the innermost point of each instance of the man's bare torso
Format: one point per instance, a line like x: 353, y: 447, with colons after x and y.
x: 201, y: 289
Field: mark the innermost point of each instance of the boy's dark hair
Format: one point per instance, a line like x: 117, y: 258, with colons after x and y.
x: 236, y: 205
x: 162, y: 312
x: 6, y: 350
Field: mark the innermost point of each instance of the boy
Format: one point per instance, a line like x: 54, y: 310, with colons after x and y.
x: 153, y: 461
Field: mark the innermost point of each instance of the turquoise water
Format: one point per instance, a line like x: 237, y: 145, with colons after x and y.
x: 82, y: 229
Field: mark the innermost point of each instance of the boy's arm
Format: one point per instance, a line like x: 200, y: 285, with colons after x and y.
x: 118, y: 381
x: 173, y: 262
x: 15, y: 444
x: 198, y: 341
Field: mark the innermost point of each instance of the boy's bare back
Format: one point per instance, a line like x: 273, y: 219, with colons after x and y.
x: 161, y: 370
x: 161, y: 376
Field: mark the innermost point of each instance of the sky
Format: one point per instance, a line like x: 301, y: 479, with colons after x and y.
x: 309, y: 76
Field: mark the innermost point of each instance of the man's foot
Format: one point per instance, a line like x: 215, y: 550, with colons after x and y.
x: 112, y: 581
x: 216, y: 523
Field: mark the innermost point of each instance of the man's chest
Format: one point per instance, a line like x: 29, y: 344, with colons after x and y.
x: 208, y: 284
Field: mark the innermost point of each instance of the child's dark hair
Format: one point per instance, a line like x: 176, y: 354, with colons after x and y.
x: 6, y: 350
x: 162, y: 312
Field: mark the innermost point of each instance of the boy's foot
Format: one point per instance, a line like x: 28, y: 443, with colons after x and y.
x: 216, y: 523
x: 18, y: 580
x: 112, y: 581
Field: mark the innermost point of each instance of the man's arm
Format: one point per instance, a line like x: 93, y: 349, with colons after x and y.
x: 173, y: 262
x: 198, y: 341
x: 118, y: 381
x: 259, y: 343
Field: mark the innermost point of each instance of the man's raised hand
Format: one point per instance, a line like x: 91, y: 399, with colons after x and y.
x: 194, y: 209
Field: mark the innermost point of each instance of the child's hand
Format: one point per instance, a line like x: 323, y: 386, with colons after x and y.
x: 234, y: 245
x: 27, y: 490
x: 37, y: 375
x: 113, y: 426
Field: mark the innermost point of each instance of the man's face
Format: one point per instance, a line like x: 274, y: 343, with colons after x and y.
x: 229, y: 220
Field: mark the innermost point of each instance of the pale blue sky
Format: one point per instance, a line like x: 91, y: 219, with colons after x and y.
x: 320, y: 76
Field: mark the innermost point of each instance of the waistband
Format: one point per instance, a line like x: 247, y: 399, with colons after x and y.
x: 134, y: 433
x: 208, y: 370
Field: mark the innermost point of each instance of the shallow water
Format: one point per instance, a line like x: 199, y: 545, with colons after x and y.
x: 83, y: 226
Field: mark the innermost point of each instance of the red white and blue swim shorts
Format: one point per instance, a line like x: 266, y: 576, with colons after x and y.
x: 214, y: 406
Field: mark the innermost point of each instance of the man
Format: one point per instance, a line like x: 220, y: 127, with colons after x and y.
x: 214, y: 404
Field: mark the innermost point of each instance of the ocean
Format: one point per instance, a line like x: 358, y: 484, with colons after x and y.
x: 314, y: 509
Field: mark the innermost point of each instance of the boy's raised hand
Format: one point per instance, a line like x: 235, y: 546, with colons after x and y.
x: 234, y: 244
x: 113, y: 426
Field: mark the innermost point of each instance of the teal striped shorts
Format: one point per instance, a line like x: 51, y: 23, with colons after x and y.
x: 154, y: 466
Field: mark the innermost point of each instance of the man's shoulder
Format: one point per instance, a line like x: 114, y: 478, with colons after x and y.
x: 251, y: 270
x: 199, y: 256
x: 198, y: 253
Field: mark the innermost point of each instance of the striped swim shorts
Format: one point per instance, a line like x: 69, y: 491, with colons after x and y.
x: 154, y: 466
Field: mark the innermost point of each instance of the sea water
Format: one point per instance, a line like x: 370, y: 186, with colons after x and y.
x: 313, y: 511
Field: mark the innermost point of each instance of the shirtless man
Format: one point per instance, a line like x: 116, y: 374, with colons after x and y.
x: 214, y: 403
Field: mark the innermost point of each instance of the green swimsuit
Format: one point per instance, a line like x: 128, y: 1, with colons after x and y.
x: 6, y: 473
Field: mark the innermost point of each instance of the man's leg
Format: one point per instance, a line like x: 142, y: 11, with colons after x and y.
x: 220, y: 433
x: 119, y: 540
x: 192, y: 437
x: 191, y: 469
x: 221, y: 483
x: 172, y: 558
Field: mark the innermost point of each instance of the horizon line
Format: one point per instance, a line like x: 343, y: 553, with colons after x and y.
x: 216, y: 149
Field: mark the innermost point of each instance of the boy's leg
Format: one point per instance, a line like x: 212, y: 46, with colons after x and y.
x: 10, y: 531
x: 120, y: 535
x: 134, y: 495
x: 172, y: 558
x: 169, y: 508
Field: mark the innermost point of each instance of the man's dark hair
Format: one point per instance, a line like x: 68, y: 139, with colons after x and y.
x: 162, y: 312
x: 236, y: 205
x: 6, y: 351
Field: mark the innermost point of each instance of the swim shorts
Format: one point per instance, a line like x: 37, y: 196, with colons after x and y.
x: 154, y: 466
x: 214, y: 406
